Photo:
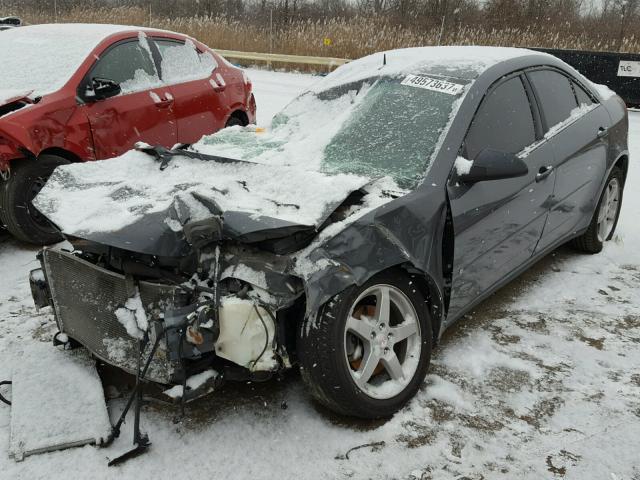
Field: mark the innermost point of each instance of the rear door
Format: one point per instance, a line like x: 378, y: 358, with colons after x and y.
x: 575, y: 126
x: 498, y: 223
x: 142, y: 112
x: 199, y: 93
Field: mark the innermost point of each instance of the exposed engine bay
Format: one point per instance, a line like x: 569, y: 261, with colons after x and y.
x: 210, y: 310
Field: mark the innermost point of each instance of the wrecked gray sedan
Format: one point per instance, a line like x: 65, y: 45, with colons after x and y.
x: 375, y: 211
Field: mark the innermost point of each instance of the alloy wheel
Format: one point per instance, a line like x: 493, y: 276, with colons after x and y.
x: 382, y: 341
x: 608, y: 209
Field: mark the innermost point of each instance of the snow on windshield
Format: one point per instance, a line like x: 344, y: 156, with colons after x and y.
x: 382, y: 115
x: 378, y: 127
x: 298, y: 134
x: 42, y: 58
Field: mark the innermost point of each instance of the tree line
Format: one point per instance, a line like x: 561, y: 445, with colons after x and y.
x: 608, y: 24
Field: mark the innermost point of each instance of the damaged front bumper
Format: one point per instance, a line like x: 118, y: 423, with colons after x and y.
x: 85, y: 298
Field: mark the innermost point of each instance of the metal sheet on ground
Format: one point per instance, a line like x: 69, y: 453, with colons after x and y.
x: 57, y: 402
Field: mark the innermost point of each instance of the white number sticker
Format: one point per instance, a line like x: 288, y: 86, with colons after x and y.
x: 628, y: 68
x: 434, y: 84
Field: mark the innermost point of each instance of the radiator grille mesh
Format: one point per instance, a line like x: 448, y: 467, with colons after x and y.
x: 85, y: 297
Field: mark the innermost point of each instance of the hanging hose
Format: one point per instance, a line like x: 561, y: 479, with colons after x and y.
x: 266, y: 330
x: 266, y: 333
x: 115, y: 429
x: 2, y: 399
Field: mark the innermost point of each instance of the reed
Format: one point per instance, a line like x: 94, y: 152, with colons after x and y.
x: 350, y: 37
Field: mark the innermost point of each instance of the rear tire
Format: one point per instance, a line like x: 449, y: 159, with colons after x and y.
x: 605, y: 218
x: 357, y: 361
x: 20, y: 217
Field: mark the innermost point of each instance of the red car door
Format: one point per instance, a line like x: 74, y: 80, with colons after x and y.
x: 201, y: 107
x: 143, y: 110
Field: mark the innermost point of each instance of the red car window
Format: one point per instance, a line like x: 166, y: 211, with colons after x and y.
x: 182, y: 62
x: 130, y: 65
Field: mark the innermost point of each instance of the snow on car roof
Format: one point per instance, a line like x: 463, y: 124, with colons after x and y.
x: 457, y: 61
x: 42, y: 58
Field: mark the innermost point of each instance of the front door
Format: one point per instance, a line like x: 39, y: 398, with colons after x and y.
x: 143, y: 112
x: 498, y: 223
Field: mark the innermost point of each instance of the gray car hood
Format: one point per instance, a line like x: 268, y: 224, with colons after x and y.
x: 142, y: 200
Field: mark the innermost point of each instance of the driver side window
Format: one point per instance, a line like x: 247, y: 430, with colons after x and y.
x: 503, y: 122
x: 128, y: 64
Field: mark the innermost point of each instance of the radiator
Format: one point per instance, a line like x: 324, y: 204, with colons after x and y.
x: 85, y: 298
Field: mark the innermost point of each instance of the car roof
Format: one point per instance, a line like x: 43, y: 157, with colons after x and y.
x: 91, y: 34
x: 464, y: 62
x: 50, y: 54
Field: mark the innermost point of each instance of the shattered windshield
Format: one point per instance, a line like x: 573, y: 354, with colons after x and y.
x: 393, y: 131
x: 386, y: 126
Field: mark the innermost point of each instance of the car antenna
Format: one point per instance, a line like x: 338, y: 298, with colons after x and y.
x: 384, y: 61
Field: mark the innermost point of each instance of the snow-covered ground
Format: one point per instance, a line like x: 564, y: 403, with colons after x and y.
x: 541, y: 381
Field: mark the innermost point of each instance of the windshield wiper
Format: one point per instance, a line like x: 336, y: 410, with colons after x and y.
x: 164, y: 155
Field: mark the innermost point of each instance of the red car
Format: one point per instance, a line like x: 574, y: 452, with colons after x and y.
x: 72, y: 93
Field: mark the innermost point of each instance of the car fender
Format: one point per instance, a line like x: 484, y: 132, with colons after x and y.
x: 406, y: 232
x: 42, y: 127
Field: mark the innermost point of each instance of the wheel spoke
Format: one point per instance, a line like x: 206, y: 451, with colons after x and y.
x: 602, y: 229
x: 361, y: 328
x: 403, y: 331
x: 392, y: 366
x: 368, y: 367
x: 383, y: 305
x: 605, y: 203
x: 602, y: 213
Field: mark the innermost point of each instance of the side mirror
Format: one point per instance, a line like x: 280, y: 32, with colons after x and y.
x: 104, y: 88
x: 494, y: 165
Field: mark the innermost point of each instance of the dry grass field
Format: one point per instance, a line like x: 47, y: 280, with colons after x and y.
x: 349, y: 38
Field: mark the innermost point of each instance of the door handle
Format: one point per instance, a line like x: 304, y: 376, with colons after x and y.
x: 167, y: 102
x: 217, y: 82
x: 544, y: 172
x: 602, y: 132
x: 218, y: 88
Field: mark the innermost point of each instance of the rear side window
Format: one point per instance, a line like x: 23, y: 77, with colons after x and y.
x: 582, y: 96
x: 128, y: 64
x: 503, y: 122
x: 181, y: 61
x: 555, y: 94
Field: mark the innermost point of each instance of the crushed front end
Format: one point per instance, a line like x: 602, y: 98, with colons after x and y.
x: 218, y: 310
x: 213, y: 256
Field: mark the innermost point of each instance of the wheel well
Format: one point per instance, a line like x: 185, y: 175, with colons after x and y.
x: 623, y: 164
x: 294, y: 316
x: 427, y: 286
x: 240, y: 115
x: 61, y: 152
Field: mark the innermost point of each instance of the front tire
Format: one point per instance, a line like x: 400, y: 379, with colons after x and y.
x: 21, y: 218
x: 605, y: 218
x: 368, y: 350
